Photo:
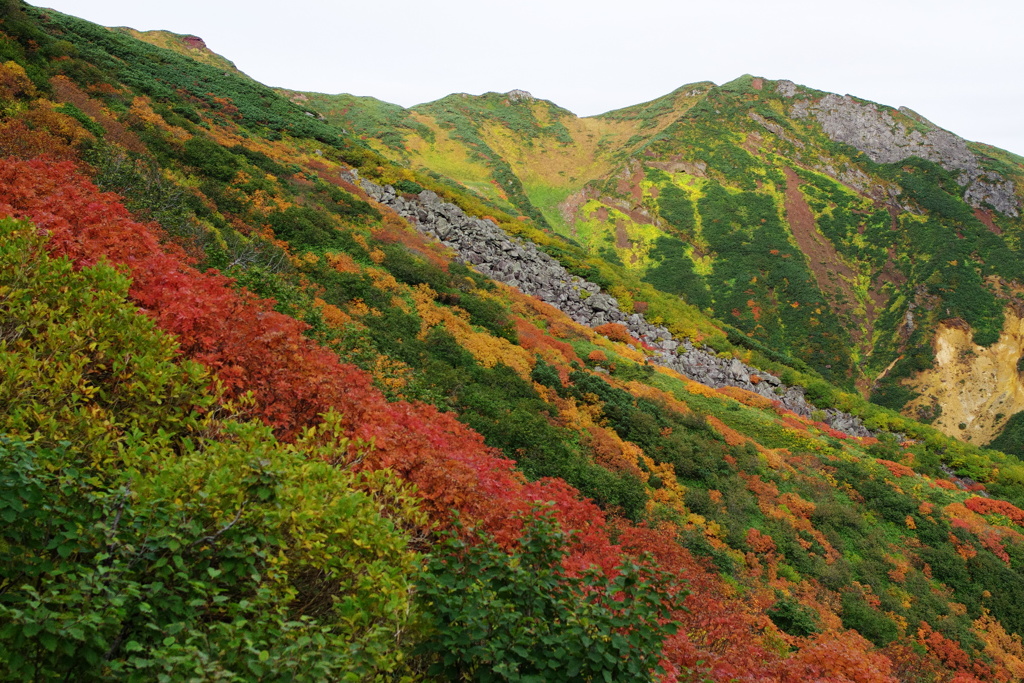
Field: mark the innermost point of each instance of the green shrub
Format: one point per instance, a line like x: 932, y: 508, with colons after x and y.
x: 489, y: 314
x: 408, y: 187
x: 80, y: 364
x: 546, y: 375
x: 1011, y: 439
x: 519, y: 616
x: 675, y: 207
x: 673, y: 272
x: 868, y: 621
x: 210, y: 159
x: 793, y: 618
x: 83, y: 118
x: 145, y: 539
x: 305, y: 228
x: 240, y: 559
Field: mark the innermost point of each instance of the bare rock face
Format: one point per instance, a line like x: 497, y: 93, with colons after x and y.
x: 194, y: 42
x: 516, y: 96
x: 885, y: 140
x: 521, y: 264
x: 786, y: 88
x: 992, y: 189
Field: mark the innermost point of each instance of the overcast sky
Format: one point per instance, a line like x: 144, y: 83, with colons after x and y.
x: 958, y: 63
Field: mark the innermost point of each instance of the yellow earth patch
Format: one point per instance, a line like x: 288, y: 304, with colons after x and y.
x: 978, y: 388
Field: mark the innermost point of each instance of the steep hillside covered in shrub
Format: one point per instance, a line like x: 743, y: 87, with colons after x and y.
x: 255, y: 424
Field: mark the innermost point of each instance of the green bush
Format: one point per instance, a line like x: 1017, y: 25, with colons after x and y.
x: 518, y: 616
x: 210, y: 159
x: 83, y: 118
x: 793, y: 618
x: 235, y: 560
x: 675, y: 207
x: 305, y: 228
x: 868, y: 621
x: 673, y: 272
x: 80, y: 364
x: 146, y: 539
x: 546, y: 375
x: 408, y: 187
x: 1011, y: 439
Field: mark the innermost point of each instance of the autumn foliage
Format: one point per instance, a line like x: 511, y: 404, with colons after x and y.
x: 805, y: 554
x: 617, y: 332
x: 306, y: 393
x: 238, y: 336
x: 990, y: 506
x: 250, y: 347
x: 897, y: 469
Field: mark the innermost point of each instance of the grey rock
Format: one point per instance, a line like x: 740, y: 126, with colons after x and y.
x: 516, y: 96
x: 885, y: 140
x: 521, y: 264
x: 786, y: 88
x: 603, y: 302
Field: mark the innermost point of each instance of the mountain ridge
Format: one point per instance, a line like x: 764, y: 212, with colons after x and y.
x: 569, y: 197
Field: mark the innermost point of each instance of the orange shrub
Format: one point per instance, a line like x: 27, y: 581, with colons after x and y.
x: 747, y: 398
x: 759, y: 542
x: 14, y: 82
x: 896, y: 468
x: 617, y: 332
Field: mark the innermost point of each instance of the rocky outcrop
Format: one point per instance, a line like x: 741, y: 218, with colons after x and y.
x: 522, y: 265
x: 786, y: 88
x: 885, y: 140
x: 194, y: 42
x: 516, y: 96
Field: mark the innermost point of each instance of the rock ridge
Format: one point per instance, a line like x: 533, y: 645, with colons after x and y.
x: 885, y: 140
x: 519, y: 263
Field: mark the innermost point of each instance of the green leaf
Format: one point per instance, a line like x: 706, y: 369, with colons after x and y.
x: 49, y: 641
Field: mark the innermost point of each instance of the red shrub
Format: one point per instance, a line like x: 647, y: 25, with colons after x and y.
x: 988, y: 506
x: 896, y: 468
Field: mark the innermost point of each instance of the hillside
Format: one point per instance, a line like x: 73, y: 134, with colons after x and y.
x: 190, y: 46
x: 311, y: 388
x: 880, y: 234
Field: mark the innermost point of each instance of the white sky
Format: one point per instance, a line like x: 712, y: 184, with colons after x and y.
x: 959, y: 63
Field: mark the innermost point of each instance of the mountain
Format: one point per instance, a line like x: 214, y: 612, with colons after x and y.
x: 308, y: 387
x: 190, y: 46
x: 860, y: 239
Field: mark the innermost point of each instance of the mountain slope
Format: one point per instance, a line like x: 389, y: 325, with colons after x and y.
x: 190, y: 46
x: 843, y: 233
x: 197, y: 423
